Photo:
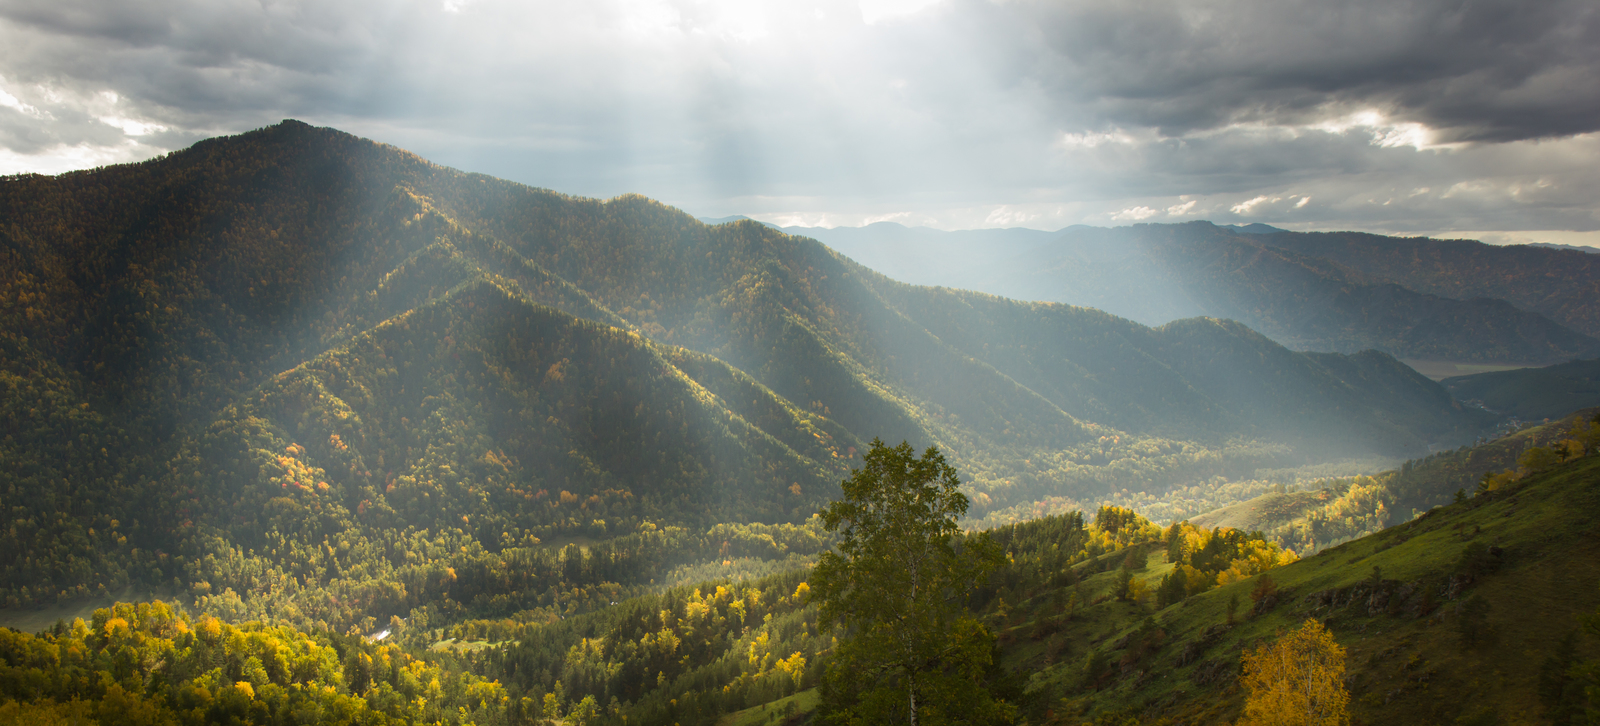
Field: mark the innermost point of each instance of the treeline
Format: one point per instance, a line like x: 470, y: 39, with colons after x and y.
x: 1352, y: 507
x: 685, y: 655
x: 145, y: 664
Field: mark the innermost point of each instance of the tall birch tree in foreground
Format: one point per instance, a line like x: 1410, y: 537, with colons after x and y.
x: 908, y: 650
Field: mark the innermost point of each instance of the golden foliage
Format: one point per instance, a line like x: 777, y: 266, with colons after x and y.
x: 1296, y: 681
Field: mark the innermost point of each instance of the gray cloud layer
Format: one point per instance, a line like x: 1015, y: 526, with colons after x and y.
x: 1419, y: 115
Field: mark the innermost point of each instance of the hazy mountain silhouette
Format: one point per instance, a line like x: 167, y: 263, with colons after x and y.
x: 1302, y: 290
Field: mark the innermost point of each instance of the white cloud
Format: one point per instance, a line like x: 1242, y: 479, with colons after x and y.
x: 59, y: 159
x: 10, y: 101
x: 1246, y: 206
x: 1135, y: 214
x: 1093, y: 139
x: 1178, y: 210
x: 1007, y: 216
x: 891, y: 217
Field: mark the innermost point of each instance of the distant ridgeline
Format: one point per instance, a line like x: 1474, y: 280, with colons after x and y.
x: 299, y: 375
x: 1413, y: 298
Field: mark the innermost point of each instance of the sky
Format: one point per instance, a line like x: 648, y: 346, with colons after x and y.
x: 1459, y: 118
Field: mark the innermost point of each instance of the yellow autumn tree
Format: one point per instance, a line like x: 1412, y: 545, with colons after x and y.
x: 1296, y: 681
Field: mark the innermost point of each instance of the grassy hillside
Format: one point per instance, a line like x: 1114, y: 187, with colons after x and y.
x: 1338, y: 509
x: 1450, y: 618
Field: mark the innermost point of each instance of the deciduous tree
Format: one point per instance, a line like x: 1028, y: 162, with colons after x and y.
x: 909, y: 650
x: 1296, y: 681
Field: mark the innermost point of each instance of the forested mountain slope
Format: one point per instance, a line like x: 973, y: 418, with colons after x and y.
x: 1279, y: 283
x: 1560, y: 284
x: 1532, y: 393
x: 300, y: 374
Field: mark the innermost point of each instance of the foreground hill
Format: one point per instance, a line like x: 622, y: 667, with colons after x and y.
x: 1459, y: 616
x: 1333, y: 292
x: 300, y: 375
x: 1468, y: 614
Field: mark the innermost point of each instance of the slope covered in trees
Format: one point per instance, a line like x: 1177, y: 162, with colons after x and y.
x: 300, y: 376
x: 1560, y: 284
x: 1478, y: 612
x: 1467, y: 614
x: 1340, y: 509
x: 1532, y: 393
x: 1325, y: 292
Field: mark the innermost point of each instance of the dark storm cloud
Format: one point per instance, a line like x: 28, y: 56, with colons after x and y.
x: 967, y: 112
x: 1490, y: 70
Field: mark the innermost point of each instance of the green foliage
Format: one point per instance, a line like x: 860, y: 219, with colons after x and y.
x: 1345, y: 508
x: 908, y: 649
x: 304, y: 380
x: 146, y: 664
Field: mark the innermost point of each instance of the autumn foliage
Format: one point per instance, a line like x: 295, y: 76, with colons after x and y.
x: 1296, y: 681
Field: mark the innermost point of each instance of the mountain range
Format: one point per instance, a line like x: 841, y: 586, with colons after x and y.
x: 261, y: 360
x: 1414, y: 298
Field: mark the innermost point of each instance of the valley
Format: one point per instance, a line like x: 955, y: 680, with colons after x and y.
x: 293, y: 388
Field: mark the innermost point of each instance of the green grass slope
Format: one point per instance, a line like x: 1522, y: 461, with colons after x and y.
x: 1343, y: 508
x: 1515, y: 568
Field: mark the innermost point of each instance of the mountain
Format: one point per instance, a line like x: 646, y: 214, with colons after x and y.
x: 1276, y: 282
x: 297, y: 375
x: 1574, y: 248
x: 1562, y: 285
x: 1252, y: 228
x: 1532, y: 393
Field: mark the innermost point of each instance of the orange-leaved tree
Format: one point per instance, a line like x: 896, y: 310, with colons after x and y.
x: 1296, y: 681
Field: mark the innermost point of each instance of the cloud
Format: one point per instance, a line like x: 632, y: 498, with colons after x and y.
x: 960, y: 113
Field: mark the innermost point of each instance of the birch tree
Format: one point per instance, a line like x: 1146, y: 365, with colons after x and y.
x: 1296, y: 681
x: 908, y: 649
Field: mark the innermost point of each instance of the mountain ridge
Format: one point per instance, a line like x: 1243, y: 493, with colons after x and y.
x: 1270, y: 279
x: 297, y: 322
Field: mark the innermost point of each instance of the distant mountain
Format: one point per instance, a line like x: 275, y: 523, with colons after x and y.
x: 265, y: 369
x: 1560, y: 284
x: 1270, y: 280
x: 1532, y: 393
x: 1574, y: 248
x: 722, y: 220
x: 1252, y: 228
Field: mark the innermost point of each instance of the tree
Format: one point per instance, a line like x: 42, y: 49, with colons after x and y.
x: 909, y: 651
x: 1296, y: 681
x: 1538, y: 459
